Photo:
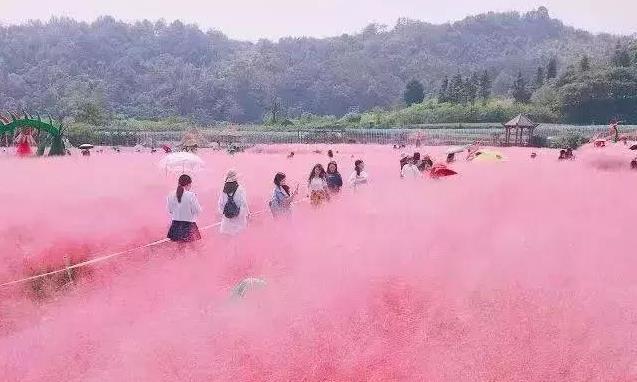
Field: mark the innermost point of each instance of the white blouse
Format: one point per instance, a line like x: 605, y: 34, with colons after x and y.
x: 356, y: 179
x: 237, y: 224
x: 410, y: 171
x: 317, y: 184
x: 187, y: 210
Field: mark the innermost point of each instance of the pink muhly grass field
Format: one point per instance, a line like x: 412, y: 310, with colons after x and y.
x: 519, y: 270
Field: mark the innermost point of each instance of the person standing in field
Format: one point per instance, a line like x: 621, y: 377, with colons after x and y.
x: 359, y: 176
x: 333, y: 178
x: 184, y: 209
x: 282, y: 198
x: 317, y: 185
x: 233, y: 206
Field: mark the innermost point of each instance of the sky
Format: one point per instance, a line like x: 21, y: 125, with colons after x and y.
x: 254, y: 19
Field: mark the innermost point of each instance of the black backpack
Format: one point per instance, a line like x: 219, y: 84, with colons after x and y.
x: 231, y: 209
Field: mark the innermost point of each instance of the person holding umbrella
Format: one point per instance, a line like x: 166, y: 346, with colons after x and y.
x: 233, y: 206
x: 184, y: 209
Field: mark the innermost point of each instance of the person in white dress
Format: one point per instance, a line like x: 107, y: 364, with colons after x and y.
x: 410, y: 170
x: 184, y: 209
x: 359, y: 176
x: 233, y: 206
x: 317, y: 185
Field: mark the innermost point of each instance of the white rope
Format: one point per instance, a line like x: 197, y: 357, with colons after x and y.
x: 110, y: 256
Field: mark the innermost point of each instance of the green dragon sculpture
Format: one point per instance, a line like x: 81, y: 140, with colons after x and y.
x: 55, y: 133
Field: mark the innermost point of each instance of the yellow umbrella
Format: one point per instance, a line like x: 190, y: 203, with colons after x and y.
x: 488, y: 156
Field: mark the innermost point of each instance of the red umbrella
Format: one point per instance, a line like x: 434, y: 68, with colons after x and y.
x: 166, y: 148
x: 439, y: 170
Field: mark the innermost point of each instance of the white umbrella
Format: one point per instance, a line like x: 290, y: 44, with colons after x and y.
x: 181, y: 162
x: 455, y: 149
x: 86, y: 146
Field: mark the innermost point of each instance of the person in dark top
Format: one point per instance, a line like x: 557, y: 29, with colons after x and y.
x: 425, y: 164
x: 330, y: 154
x: 404, y: 159
x: 633, y: 164
x: 562, y: 155
x: 569, y: 154
x: 451, y: 157
x: 334, y: 179
x: 417, y: 161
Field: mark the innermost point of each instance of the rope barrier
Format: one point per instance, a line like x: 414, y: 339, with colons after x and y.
x: 110, y: 256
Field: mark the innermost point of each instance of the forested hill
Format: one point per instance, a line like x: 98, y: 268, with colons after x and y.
x: 155, y: 70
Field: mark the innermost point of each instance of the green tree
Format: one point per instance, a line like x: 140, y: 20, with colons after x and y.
x: 456, y: 89
x: 92, y: 113
x: 485, y: 86
x: 551, y: 68
x: 443, y: 92
x: 539, y: 78
x: 621, y: 57
x: 520, y: 93
x: 414, y: 93
x: 584, y: 63
x: 471, y: 88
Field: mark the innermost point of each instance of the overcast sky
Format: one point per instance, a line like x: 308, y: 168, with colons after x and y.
x: 254, y: 19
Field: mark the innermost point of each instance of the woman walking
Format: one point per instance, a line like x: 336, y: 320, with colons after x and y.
x: 359, y: 176
x: 183, y: 208
x: 233, y: 206
x: 282, y: 199
x: 333, y: 178
x: 317, y: 184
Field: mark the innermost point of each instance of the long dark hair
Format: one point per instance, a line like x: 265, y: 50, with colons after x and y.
x: 322, y: 175
x: 230, y: 187
x: 183, y: 181
x: 357, y: 167
x: 277, y: 181
x: 335, y: 167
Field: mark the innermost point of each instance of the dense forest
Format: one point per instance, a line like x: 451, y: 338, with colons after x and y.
x: 153, y: 70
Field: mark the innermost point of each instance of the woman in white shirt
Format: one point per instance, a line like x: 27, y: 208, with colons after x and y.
x: 233, y: 206
x: 359, y: 176
x: 317, y: 184
x: 410, y: 170
x: 183, y: 208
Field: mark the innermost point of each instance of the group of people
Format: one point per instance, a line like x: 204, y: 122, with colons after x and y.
x: 184, y: 208
x: 413, y: 166
x: 566, y: 154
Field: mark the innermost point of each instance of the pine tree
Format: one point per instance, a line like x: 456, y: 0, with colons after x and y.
x: 485, y: 86
x: 456, y: 89
x: 551, y: 68
x: 539, y: 78
x: 443, y: 92
x: 584, y: 64
x: 520, y: 93
x: 471, y: 88
x: 620, y: 57
x: 414, y: 93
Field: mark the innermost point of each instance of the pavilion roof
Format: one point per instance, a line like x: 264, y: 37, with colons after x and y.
x: 521, y: 121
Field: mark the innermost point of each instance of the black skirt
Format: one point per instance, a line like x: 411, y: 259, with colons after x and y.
x: 183, y: 231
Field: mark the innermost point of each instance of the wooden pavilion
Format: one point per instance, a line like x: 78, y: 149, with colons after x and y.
x: 519, y: 131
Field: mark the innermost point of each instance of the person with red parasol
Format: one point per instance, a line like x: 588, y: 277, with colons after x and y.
x: 24, y: 140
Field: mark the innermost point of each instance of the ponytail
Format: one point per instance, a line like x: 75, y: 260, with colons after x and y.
x: 183, y: 181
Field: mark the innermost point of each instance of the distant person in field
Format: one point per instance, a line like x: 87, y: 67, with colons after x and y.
x: 633, y: 164
x: 233, y: 206
x: 562, y: 155
x: 291, y: 155
x: 282, y: 196
x: 425, y: 164
x: 333, y: 178
x: 417, y: 161
x: 451, y: 157
x: 330, y: 154
x: 359, y: 176
x: 533, y: 155
x: 404, y: 159
x: 410, y: 170
x: 184, y: 209
x: 317, y: 185
x: 569, y: 154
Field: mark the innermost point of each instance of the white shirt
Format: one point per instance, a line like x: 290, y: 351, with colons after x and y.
x: 356, y: 179
x: 237, y: 224
x: 410, y: 171
x: 187, y: 210
x: 317, y: 184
